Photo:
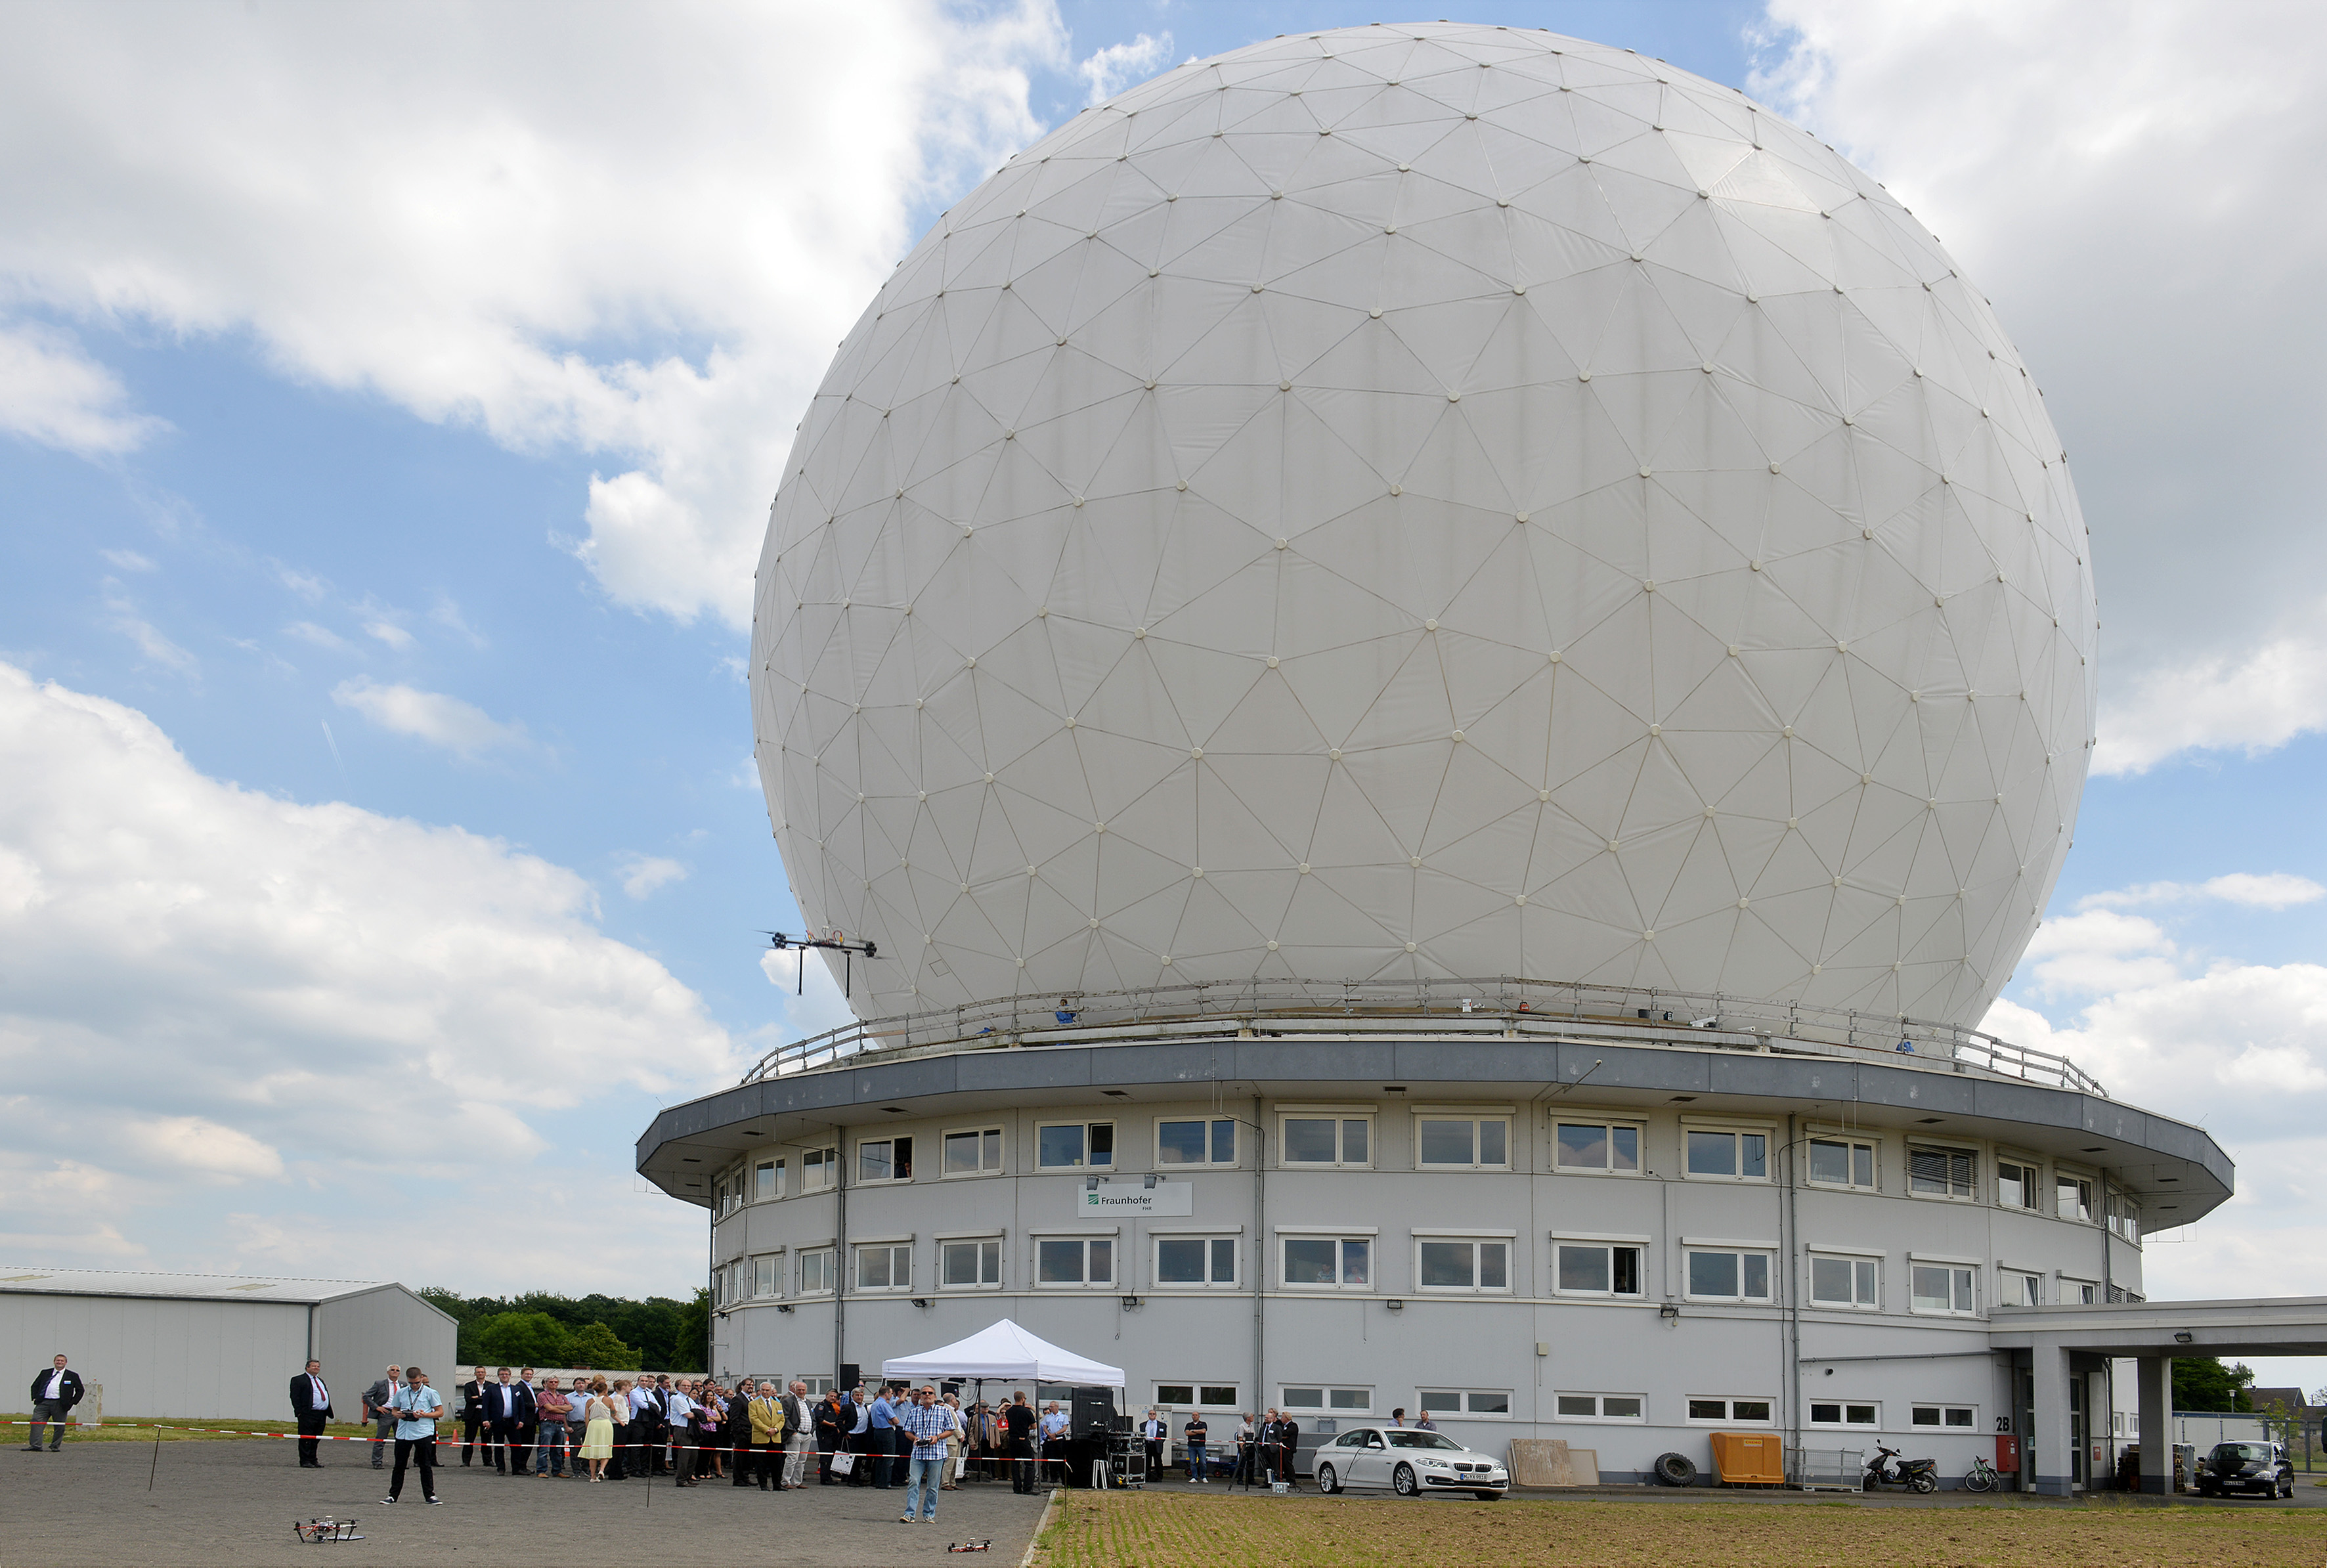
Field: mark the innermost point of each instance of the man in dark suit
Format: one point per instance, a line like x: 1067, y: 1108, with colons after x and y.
x: 530, y: 1427
x: 311, y: 1402
x: 472, y: 1414
x: 1288, y: 1450
x: 738, y: 1430
x: 509, y: 1408
x: 56, y: 1389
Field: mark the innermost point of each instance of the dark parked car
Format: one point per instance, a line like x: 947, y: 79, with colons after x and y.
x: 2248, y: 1467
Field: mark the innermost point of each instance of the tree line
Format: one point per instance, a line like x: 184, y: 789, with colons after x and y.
x: 612, y: 1333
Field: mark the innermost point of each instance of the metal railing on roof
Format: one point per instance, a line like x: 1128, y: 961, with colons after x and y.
x: 1423, y: 1006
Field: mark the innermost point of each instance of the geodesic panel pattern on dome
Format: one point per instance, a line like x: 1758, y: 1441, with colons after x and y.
x: 1427, y: 501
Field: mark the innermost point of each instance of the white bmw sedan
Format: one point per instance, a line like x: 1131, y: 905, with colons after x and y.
x: 1407, y: 1462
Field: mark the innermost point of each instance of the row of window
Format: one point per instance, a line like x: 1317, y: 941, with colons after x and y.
x: 1612, y: 1268
x: 1361, y: 1401
x: 1445, y: 1143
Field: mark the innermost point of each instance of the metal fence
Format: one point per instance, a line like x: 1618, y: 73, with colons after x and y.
x: 1827, y: 1470
x: 1447, y: 1006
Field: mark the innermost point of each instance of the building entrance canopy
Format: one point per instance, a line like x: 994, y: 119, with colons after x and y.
x: 1005, y: 1351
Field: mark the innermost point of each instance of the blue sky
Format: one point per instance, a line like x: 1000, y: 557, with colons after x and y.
x: 388, y: 413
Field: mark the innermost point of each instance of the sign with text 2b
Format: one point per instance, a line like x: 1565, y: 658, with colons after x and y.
x: 1135, y: 1198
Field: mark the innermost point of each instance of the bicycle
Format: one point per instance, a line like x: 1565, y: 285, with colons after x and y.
x: 1980, y: 1478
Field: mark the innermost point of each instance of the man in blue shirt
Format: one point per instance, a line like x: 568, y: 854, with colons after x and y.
x: 880, y: 1436
x: 415, y: 1407
x: 928, y: 1424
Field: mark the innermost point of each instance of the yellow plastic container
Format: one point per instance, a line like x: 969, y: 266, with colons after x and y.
x: 1749, y: 1458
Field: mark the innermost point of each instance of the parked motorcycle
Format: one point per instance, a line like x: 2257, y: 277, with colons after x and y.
x: 1916, y: 1474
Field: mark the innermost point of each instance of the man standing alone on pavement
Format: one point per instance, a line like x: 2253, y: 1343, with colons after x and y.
x: 472, y: 1415
x: 55, y: 1391
x: 928, y: 1424
x: 377, y: 1400
x: 1018, y: 1417
x: 311, y: 1402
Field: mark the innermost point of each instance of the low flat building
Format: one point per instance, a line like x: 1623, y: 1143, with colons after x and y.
x: 197, y: 1346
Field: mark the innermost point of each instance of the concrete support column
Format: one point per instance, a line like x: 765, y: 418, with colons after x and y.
x: 2050, y: 1465
x: 2155, y: 1391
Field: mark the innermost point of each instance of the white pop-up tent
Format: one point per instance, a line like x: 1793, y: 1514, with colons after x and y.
x: 1005, y: 1351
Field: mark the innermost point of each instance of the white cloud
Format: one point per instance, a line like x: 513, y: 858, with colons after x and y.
x: 307, y: 586
x: 812, y: 1002
x: 2275, y: 889
x: 386, y: 1022
x: 128, y: 560
x: 431, y: 716
x: 1111, y: 69
x: 390, y: 634
x: 642, y: 874
x: 125, y: 617
x: 322, y: 637
x: 2139, y: 199
x: 476, y: 211
x: 2099, y: 950
x: 52, y: 393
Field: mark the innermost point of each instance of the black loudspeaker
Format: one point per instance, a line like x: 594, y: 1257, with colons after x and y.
x: 849, y: 1376
x: 1092, y: 1412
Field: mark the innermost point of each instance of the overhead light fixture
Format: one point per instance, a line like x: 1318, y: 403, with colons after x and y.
x: 784, y: 1307
x: 1396, y: 1305
x: 1669, y: 1311
x: 1682, y: 1099
x: 894, y: 1110
x: 1393, y: 1089
x: 1927, y: 1121
x: 1116, y: 1094
x: 2182, y: 1336
x: 920, y: 1300
x: 1129, y: 1302
x: 2096, y: 1149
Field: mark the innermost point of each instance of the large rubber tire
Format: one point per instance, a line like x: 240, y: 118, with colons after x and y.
x: 2287, y: 1486
x: 1925, y: 1484
x: 1979, y: 1480
x: 1675, y: 1469
x: 1402, y: 1482
x: 1327, y: 1481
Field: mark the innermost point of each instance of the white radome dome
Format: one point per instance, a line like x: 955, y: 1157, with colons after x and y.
x: 1427, y: 501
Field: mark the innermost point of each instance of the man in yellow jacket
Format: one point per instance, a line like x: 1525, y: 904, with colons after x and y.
x: 766, y: 1438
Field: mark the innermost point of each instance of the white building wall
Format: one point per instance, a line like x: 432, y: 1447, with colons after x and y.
x: 165, y: 1358
x: 1892, y: 1357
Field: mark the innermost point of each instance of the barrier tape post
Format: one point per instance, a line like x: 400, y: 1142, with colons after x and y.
x: 156, y: 1463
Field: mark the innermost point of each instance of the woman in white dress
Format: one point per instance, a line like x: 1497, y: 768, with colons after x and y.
x: 598, y: 1436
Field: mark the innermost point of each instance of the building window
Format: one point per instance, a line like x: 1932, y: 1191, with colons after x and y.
x: 2073, y: 1198
x: 1196, y: 1396
x: 1596, y: 1268
x: 2016, y: 1185
x: 2124, y: 1218
x: 1442, y: 1264
x: 1844, y: 1414
x: 1488, y: 1401
x: 970, y: 1266
x: 1075, y: 1260
x: 1632, y: 1408
x: 1074, y: 1145
x: 973, y: 1152
x: 1728, y: 1276
x: 819, y: 1384
x: 885, y: 1160
x: 767, y: 1181
x: 816, y: 1272
x: 1961, y: 1417
x: 1190, y: 1261
x: 885, y: 1268
x: 1325, y: 1400
x: 2022, y: 1290
x: 1717, y: 1152
x: 818, y: 1169
x: 1209, y: 1140
x: 1326, y: 1140
x: 1328, y: 1263
x: 766, y: 1281
x: 1940, y: 1172
x: 1842, y: 1162
x: 1599, y: 1146
x: 1730, y: 1411
x: 2080, y: 1293
x: 1940, y: 1288
x: 1846, y: 1282
x: 1463, y: 1143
